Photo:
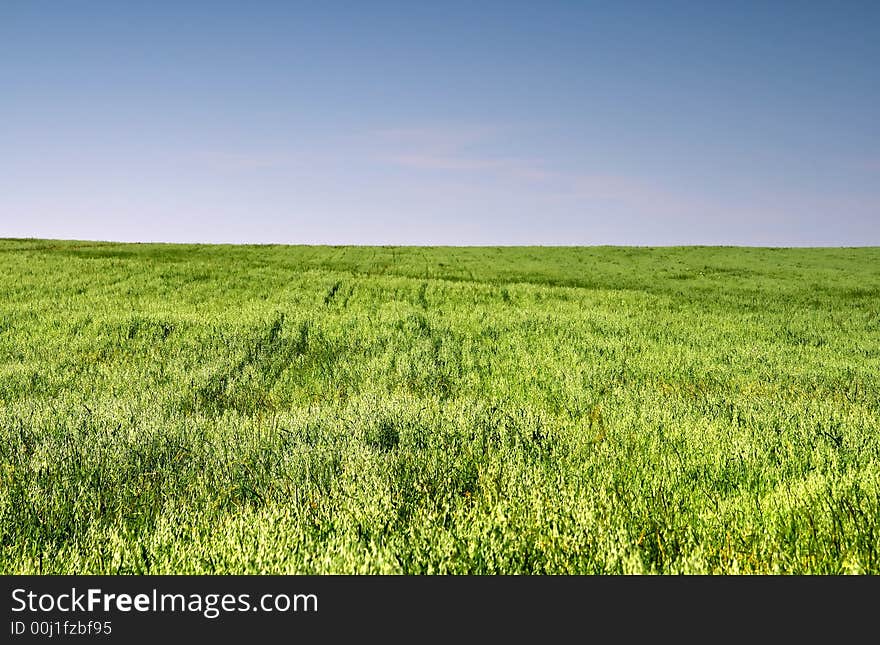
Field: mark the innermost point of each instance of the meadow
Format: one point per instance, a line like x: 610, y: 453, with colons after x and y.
x: 429, y: 410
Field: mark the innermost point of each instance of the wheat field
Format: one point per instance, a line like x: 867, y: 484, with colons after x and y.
x: 438, y: 410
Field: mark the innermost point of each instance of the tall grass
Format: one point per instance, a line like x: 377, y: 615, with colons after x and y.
x: 271, y: 409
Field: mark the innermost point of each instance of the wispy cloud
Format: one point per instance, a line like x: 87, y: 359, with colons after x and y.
x: 514, y: 168
x: 635, y: 192
x: 472, y: 152
x: 448, y: 139
x: 457, y: 149
x: 224, y: 160
x: 871, y: 165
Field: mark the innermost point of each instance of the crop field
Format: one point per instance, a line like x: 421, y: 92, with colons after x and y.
x: 430, y: 410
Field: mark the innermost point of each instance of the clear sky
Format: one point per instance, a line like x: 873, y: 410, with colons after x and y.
x: 754, y: 123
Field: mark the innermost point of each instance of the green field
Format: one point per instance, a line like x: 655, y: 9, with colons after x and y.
x: 428, y: 410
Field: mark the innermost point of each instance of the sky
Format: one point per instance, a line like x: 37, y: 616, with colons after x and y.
x: 441, y: 123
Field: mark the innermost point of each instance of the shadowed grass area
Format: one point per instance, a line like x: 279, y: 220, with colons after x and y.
x: 292, y: 409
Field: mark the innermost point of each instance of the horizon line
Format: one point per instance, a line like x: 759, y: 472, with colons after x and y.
x: 800, y: 245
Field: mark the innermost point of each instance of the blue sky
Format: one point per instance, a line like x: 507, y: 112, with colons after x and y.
x: 649, y: 123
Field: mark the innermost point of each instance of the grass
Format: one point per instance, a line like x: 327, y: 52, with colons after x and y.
x: 282, y: 409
